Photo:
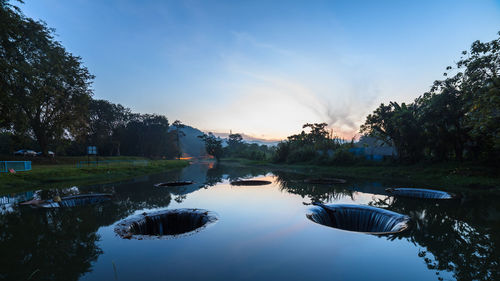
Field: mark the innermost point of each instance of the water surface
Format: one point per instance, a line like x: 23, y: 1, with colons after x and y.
x: 262, y: 233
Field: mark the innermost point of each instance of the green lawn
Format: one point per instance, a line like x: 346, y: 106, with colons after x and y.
x: 52, y: 175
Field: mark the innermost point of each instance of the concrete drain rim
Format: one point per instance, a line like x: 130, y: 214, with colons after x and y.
x: 124, y: 227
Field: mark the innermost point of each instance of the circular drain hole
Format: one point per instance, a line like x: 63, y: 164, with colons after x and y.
x: 250, y: 182
x: 166, y: 224
x: 359, y: 218
x: 174, y: 183
x: 421, y: 193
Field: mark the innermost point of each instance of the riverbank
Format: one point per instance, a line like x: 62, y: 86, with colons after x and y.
x: 427, y: 175
x: 53, y: 175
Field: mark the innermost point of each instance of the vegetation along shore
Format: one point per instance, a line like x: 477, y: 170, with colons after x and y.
x: 54, y: 175
x: 451, y: 175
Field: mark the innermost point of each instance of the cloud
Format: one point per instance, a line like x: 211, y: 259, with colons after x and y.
x: 246, y: 38
x: 271, y: 91
x: 342, y: 111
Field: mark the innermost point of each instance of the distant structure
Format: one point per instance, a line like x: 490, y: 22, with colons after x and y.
x: 373, y: 149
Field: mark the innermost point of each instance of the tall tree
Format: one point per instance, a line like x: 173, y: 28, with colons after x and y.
x: 178, y: 126
x: 397, y: 125
x: 459, y: 117
x: 482, y: 87
x: 48, y: 85
x: 104, y: 118
x: 144, y: 135
x: 213, y: 145
x: 441, y: 114
x: 234, y: 146
x: 318, y: 132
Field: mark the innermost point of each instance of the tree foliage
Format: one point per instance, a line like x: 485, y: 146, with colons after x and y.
x: 213, y: 145
x: 458, y: 118
x: 308, y: 146
x: 178, y: 133
x: 145, y: 135
x: 104, y: 118
x: 45, y: 95
x: 45, y: 90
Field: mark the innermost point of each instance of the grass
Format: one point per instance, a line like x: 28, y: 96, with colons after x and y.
x: 439, y: 175
x: 52, y: 175
x: 64, y: 159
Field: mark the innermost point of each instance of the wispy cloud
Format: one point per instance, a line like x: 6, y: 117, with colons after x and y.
x: 247, y: 38
x: 319, y: 89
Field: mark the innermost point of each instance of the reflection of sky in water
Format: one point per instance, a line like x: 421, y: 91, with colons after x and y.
x: 263, y: 233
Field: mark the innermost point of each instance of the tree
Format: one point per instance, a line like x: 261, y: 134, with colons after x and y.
x: 104, y: 118
x: 48, y: 85
x: 441, y: 114
x: 235, y: 146
x: 213, y: 145
x: 144, y: 135
x: 318, y: 132
x: 308, y: 146
x: 235, y: 140
x: 481, y: 85
x: 397, y: 125
x: 484, y: 119
x: 459, y: 117
x: 178, y: 125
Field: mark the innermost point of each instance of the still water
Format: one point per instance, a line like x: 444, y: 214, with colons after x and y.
x: 262, y: 233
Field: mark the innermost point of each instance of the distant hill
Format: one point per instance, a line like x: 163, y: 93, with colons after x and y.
x: 191, y: 145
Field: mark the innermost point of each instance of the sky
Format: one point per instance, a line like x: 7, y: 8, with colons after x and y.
x: 264, y: 68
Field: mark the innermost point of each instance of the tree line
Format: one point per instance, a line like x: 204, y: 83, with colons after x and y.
x: 46, y: 100
x: 318, y: 145
x: 458, y: 119
x: 235, y: 147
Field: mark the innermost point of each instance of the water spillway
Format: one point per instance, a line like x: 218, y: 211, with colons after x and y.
x: 85, y: 199
x: 250, y: 182
x: 174, y: 183
x: 70, y: 201
x: 421, y: 193
x: 167, y: 223
x: 359, y: 218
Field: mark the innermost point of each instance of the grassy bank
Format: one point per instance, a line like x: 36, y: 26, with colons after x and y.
x: 53, y: 175
x: 445, y: 175
x: 58, y: 160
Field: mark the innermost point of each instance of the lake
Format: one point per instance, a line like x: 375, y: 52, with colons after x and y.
x: 261, y: 232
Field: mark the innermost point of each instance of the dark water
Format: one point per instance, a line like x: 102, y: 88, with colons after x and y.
x: 262, y: 233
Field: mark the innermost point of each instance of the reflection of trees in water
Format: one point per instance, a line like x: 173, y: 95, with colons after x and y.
x: 457, y: 236
x: 48, y: 244
x: 221, y: 172
x: 294, y: 183
x: 60, y: 244
x: 131, y: 197
x: 289, y: 182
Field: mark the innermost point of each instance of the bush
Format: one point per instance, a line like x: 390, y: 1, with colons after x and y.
x: 343, y: 156
x: 302, y: 154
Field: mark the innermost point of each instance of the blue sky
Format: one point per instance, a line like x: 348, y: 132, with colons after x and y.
x: 264, y: 68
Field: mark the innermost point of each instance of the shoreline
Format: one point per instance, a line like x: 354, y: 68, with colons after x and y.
x: 467, y: 176
x: 63, y: 174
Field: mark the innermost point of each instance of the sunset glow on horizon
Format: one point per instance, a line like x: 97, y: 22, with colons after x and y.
x: 265, y: 68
